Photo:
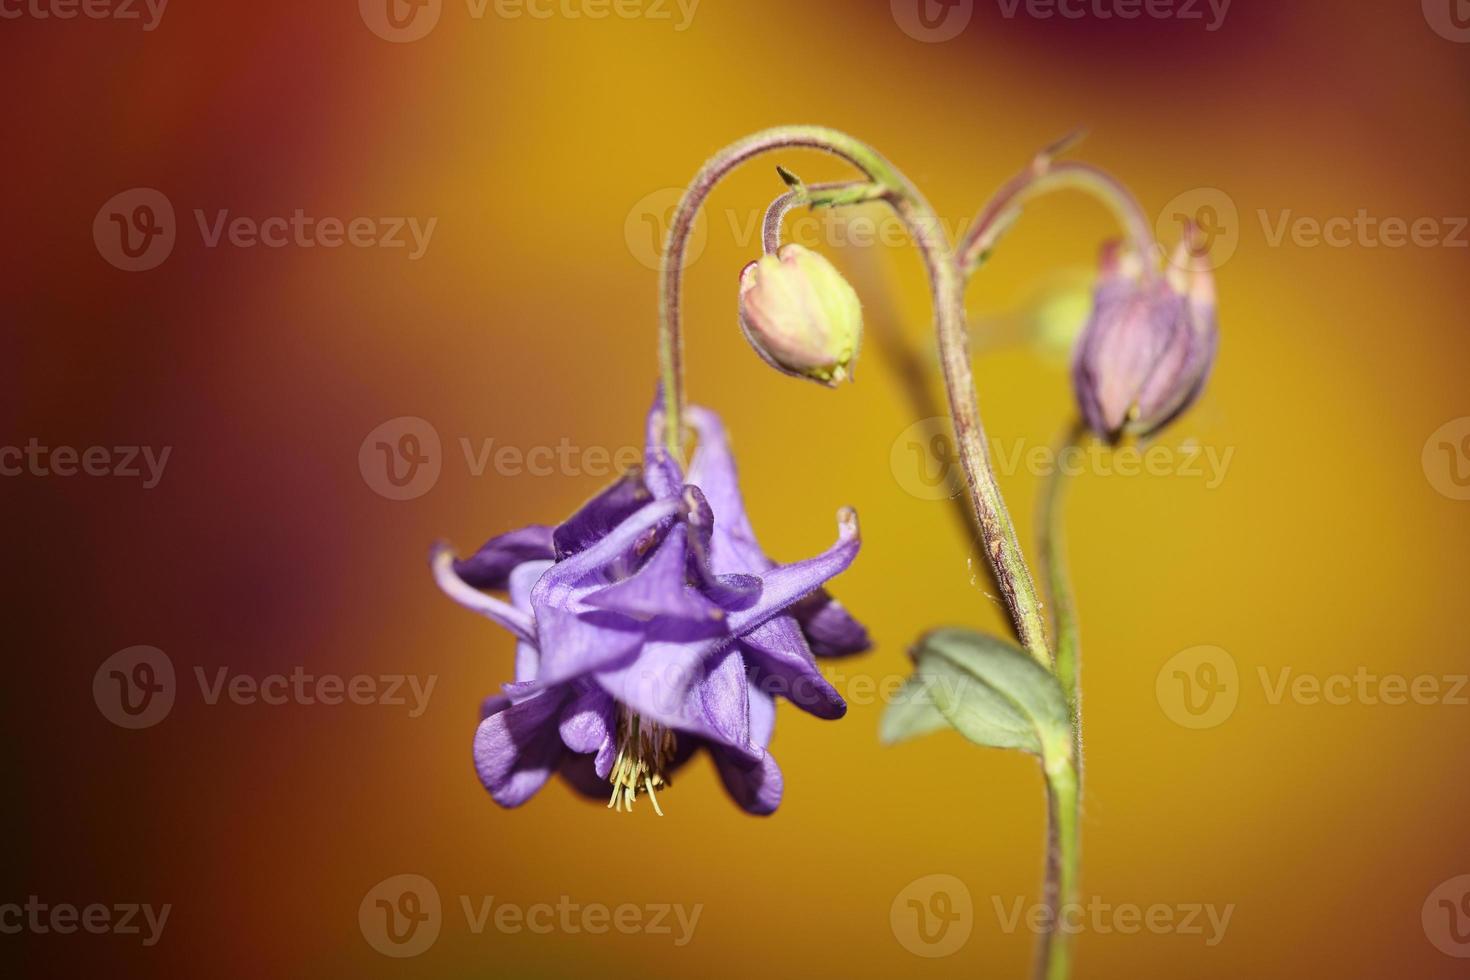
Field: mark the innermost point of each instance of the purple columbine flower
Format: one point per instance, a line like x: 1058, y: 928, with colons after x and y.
x: 650, y: 624
x: 1147, y: 350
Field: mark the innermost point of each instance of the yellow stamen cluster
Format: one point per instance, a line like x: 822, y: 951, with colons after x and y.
x: 645, y: 750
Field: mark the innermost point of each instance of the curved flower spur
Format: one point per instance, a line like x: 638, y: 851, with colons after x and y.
x: 650, y: 624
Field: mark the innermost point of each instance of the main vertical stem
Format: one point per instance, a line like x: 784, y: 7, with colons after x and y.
x: 1003, y: 550
x: 1062, y: 865
x: 1054, y: 570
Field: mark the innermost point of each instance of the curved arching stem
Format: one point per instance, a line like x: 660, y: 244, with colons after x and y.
x: 671, y: 269
x: 815, y: 196
x: 1042, y: 177
x: 947, y: 281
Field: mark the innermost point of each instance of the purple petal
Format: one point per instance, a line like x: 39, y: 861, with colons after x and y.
x: 619, y: 549
x: 734, y: 548
x: 601, y: 514
x: 660, y: 680
x: 441, y: 560
x: 762, y: 718
x: 756, y: 786
x: 575, y: 638
x: 587, y: 721
x: 662, y: 472
x: 679, y: 686
x: 522, y: 581
x: 731, y: 590
x: 788, y: 668
x: 517, y: 749
x: 573, y: 643
x: 724, y: 697
x: 659, y: 588
x: 490, y: 567
x: 829, y: 628
x: 787, y: 584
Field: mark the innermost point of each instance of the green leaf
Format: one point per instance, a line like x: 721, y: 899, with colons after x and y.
x: 994, y: 693
x: 913, y: 712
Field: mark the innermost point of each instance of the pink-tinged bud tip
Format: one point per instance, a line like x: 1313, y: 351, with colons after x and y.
x: 1147, y: 350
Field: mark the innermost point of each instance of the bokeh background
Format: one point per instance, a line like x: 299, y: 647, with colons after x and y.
x: 542, y: 147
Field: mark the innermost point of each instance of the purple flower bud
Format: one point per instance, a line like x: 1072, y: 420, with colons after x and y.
x: 1147, y: 350
x: 800, y: 315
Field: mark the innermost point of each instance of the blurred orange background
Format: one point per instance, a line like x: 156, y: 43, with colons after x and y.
x: 541, y: 147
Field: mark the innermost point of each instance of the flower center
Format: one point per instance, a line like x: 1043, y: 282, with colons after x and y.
x: 645, y: 749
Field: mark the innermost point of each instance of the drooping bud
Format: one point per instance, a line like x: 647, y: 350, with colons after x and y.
x: 800, y: 315
x: 1148, y: 348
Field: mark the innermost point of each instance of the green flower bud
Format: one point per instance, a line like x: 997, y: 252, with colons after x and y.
x: 800, y: 315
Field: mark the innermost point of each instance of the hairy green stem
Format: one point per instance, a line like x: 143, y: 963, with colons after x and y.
x: 815, y: 196
x: 1063, y: 864
x: 1054, y: 570
x: 1002, y: 547
x: 1064, y: 781
x: 1043, y: 176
